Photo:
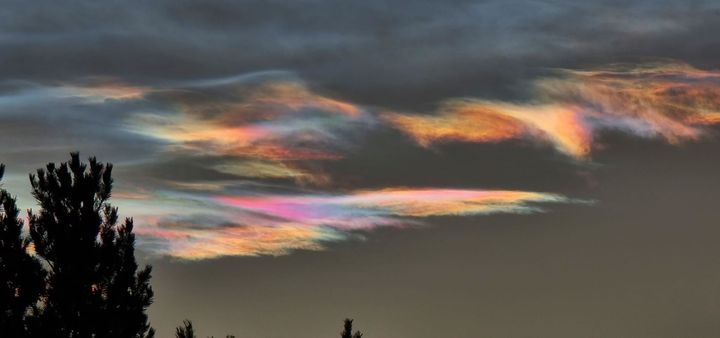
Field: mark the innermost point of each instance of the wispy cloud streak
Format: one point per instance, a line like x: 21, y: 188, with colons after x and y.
x: 264, y: 129
x: 670, y: 101
x: 278, y: 224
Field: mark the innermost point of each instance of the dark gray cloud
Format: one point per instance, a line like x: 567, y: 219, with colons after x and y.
x: 406, y: 54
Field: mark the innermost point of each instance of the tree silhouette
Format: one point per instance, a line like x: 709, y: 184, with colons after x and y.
x: 93, y: 286
x: 21, y: 275
x: 185, y: 331
x: 347, y: 330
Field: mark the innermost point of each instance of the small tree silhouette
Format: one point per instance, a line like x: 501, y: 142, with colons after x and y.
x: 93, y: 288
x: 347, y: 330
x: 185, y: 331
x: 21, y: 275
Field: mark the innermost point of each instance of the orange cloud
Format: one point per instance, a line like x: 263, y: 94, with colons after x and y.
x: 295, y: 96
x: 446, y: 202
x: 272, y: 127
x: 197, y: 244
x: 487, y: 121
x: 671, y: 101
x: 459, y: 121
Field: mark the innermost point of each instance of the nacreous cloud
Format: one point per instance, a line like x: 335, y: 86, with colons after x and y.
x: 263, y: 127
x: 277, y: 224
x: 671, y: 101
x: 244, y: 165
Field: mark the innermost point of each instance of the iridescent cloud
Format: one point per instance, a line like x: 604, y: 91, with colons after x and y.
x: 106, y: 89
x: 197, y: 244
x: 89, y: 91
x: 671, y: 101
x: 342, y: 211
x: 481, y: 121
x: 277, y: 224
x: 265, y: 129
x: 237, y: 166
x: 272, y: 129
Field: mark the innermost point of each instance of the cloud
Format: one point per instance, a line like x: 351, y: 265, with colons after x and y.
x: 405, y: 55
x: 277, y: 224
x: 262, y: 127
x: 242, y: 165
x: 195, y: 244
x: 151, y: 89
x: 483, y: 121
x: 98, y: 90
x: 670, y: 101
x: 341, y: 210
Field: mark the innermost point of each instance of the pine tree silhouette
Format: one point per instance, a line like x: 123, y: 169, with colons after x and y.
x: 21, y: 275
x: 93, y: 286
x: 185, y: 331
x: 347, y: 330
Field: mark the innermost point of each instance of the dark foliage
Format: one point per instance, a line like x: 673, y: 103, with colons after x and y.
x: 93, y: 286
x: 185, y: 331
x: 87, y: 284
x: 347, y: 330
x: 21, y: 275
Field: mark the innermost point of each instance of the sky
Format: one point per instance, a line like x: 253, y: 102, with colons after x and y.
x: 429, y: 168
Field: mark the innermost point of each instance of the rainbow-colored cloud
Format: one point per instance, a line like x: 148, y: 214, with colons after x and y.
x: 277, y: 224
x: 671, y: 101
x: 256, y: 132
x: 266, y: 128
